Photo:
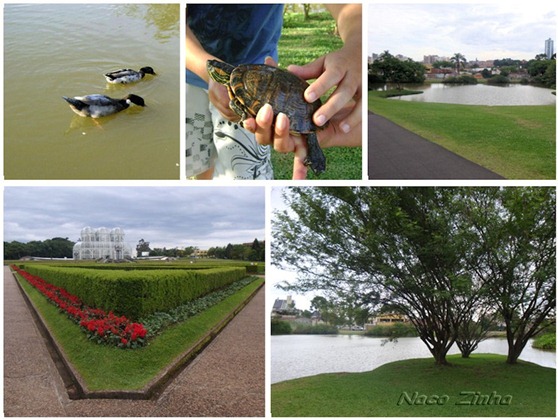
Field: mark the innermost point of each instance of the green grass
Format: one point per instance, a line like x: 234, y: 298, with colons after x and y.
x: 517, y: 142
x: 109, y: 368
x: 317, y: 37
x: 377, y: 393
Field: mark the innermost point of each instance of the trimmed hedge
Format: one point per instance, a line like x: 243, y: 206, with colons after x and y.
x: 137, y: 293
x: 251, y: 268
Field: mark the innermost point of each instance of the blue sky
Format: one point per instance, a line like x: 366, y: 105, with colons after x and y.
x: 480, y: 31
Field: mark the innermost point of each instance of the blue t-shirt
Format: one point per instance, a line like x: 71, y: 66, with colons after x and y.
x: 235, y: 33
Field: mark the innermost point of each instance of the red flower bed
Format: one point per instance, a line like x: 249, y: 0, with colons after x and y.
x: 99, y: 326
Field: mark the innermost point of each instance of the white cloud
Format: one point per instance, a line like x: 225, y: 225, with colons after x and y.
x: 483, y: 31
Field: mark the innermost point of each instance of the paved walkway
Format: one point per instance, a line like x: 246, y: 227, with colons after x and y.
x: 397, y: 153
x: 226, y: 380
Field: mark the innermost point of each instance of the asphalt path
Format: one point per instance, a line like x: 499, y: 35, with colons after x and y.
x: 397, y: 153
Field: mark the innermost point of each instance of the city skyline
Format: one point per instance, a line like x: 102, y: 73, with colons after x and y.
x: 477, y: 31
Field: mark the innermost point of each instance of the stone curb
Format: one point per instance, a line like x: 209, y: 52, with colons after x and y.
x: 74, y: 383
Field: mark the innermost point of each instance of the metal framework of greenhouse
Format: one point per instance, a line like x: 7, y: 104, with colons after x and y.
x: 100, y: 243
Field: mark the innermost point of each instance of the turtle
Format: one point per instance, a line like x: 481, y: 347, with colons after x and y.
x: 251, y: 86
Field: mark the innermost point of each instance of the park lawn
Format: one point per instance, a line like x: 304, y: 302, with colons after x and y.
x: 517, y: 142
x: 301, y: 42
x: 106, y: 368
x: 378, y: 393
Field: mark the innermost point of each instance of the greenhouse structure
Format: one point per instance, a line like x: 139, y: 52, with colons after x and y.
x: 102, y: 243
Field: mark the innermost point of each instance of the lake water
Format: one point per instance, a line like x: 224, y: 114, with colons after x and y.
x: 481, y: 94
x: 296, y: 356
x: 55, y: 50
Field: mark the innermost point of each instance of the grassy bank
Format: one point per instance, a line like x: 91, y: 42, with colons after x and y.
x: 301, y: 42
x: 110, y: 368
x: 517, y: 142
x: 524, y: 389
x: 546, y: 342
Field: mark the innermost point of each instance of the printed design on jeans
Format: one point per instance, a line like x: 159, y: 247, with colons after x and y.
x: 199, y: 136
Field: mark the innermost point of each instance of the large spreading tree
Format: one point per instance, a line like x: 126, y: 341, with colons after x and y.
x: 419, y: 250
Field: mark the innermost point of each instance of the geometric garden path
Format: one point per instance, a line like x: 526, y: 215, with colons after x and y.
x: 226, y: 380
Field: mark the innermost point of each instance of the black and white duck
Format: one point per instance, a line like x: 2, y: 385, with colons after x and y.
x: 128, y: 75
x: 96, y: 105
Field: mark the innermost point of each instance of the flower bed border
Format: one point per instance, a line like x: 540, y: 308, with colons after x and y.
x: 102, y: 327
x: 74, y: 383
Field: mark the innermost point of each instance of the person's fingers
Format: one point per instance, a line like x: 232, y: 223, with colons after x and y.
x: 354, y: 119
x: 283, y: 141
x: 270, y: 61
x: 300, y: 170
x: 219, y: 97
x: 263, y: 125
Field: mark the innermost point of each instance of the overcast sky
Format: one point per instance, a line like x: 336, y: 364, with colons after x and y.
x: 478, y: 31
x: 164, y: 216
x: 276, y: 275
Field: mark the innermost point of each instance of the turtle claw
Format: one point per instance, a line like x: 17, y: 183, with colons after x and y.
x: 315, y: 158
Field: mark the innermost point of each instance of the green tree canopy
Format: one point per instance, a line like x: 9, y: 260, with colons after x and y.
x: 415, y: 249
x: 396, y: 71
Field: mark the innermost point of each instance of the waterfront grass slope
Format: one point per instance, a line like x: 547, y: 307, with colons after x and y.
x: 481, y: 386
x: 517, y: 142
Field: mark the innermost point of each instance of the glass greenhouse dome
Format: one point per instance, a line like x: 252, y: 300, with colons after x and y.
x: 101, y: 243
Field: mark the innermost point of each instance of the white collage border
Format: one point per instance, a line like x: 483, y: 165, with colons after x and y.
x: 268, y: 185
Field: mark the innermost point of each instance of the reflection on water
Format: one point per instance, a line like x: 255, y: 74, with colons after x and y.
x: 55, y: 50
x: 481, y: 94
x: 296, y: 356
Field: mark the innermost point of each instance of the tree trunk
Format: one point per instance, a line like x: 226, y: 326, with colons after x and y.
x: 439, y: 351
x: 514, y: 351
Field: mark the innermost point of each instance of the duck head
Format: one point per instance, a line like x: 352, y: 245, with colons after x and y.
x: 148, y: 70
x: 135, y: 99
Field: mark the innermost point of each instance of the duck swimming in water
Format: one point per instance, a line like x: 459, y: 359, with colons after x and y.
x: 128, y: 75
x: 96, y: 106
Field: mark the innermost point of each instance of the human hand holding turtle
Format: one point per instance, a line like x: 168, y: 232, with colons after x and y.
x: 341, y: 69
x: 344, y: 128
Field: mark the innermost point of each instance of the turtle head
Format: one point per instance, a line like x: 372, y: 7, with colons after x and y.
x: 219, y: 71
x: 135, y: 99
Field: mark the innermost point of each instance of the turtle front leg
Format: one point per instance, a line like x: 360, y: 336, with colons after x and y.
x: 315, y: 157
x: 238, y: 109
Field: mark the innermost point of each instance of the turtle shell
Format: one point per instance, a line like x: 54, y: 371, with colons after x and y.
x: 254, y: 85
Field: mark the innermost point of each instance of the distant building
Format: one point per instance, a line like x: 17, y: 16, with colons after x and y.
x: 200, y: 253
x: 388, y: 319
x: 99, y: 243
x: 282, y: 305
x: 549, y: 48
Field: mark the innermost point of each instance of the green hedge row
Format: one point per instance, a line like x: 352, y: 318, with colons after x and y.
x: 250, y: 268
x: 137, y: 293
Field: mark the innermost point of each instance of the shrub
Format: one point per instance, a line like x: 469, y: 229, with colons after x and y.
x: 461, y: 80
x: 280, y: 327
x: 498, y: 80
x: 315, y: 329
x: 137, y: 293
x: 545, y: 342
x: 397, y: 329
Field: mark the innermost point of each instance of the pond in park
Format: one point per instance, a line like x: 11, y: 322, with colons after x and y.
x: 481, y: 94
x: 296, y: 356
x: 55, y: 50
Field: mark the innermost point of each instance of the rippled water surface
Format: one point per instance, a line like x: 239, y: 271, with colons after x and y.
x: 296, y: 356
x: 59, y: 50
